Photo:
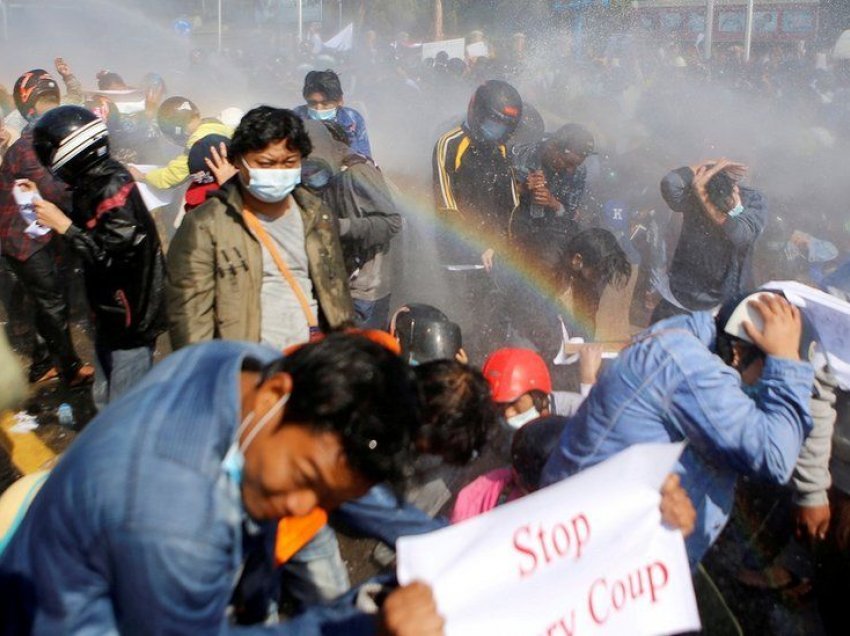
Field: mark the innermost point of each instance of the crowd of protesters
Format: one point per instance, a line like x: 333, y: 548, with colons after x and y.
x: 260, y: 386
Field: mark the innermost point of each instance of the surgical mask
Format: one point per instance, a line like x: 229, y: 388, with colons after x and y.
x: 736, y: 211
x: 752, y: 391
x: 271, y: 185
x: 493, y: 130
x: 234, y: 461
x: 518, y: 421
x: 317, y: 180
x: 322, y: 115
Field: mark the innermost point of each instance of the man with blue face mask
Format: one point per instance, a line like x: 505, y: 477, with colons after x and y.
x: 324, y: 97
x: 260, y: 260
x: 140, y: 528
x: 476, y: 195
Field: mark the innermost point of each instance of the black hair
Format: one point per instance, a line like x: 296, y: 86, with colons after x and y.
x: 600, y: 250
x: 719, y: 189
x: 324, y: 82
x: 107, y: 80
x: 540, y: 399
x: 531, y: 447
x: 458, y: 413
x: 349, y: 385
x: 265, y: 125
x: 337, y: 131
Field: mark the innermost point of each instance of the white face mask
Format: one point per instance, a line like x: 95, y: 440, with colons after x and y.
x: 234, y: 460
x: 518, y: 421
x: 271, y: 185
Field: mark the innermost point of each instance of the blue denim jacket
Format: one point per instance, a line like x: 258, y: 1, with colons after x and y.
x: 138, y: 529
x: 670, y: 386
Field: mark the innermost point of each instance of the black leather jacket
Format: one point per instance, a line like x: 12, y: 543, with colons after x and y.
x: 116, y: 237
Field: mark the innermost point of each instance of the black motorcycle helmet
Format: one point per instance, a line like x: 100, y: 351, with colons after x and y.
x: 32, y: 86
x: 174, y: 116
x: 494, y: 112
x: 425, y: 335
x: 70, y: 140
x: 432, y: 340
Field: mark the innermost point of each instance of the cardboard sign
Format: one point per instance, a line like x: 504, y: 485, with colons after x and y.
x: 586, y: 556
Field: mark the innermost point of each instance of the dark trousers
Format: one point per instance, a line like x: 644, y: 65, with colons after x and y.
x: 52, y: 343
x: 372, y: 314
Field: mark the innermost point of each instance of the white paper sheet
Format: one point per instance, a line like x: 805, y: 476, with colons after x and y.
x: 153, y: 197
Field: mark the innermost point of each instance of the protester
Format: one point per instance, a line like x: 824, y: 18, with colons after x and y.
x: 682, y: 380
x: 260, y: 260
x: 531, y: 446
x: 522, y: 387
x: 464, y: 158
x: 32, y: 254
x: 472, y: 154
x: 721, y: 222
x: 355, y: 190
x: 204, y: 179
x: 553, y: 186
x: 325, y: 102
x: 591, y: 261
x: 179, y: 120
x: 225, y: 433
x: 115, y: 236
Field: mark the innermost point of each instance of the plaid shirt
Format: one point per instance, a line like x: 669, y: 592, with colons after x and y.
x: 21, y: 162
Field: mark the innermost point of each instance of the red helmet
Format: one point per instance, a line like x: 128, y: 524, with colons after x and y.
x: 514, y: 372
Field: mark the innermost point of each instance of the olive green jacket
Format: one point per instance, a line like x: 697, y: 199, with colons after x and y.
x: 215, y: 270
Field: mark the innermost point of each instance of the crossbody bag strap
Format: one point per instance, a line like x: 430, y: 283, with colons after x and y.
x: 258, y: 229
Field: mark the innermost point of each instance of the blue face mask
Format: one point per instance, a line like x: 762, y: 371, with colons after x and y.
x: 234, y: 461
x: 493, y: 130
x: 317, y: 181
x: 322, y: 115
x: 751, y: 390
x: 271, y: 185
x: 736, y: 211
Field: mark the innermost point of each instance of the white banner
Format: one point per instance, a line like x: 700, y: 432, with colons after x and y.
x: 830, y: 317
x: 588, y: 555
x: 454, y: 48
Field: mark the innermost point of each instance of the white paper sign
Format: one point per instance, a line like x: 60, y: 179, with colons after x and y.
x: 477, y: 49
x: 153, y: 197
x: 586, y: 556
x: 453, y: 48
x: 25, y: 200
x: 831, y: 319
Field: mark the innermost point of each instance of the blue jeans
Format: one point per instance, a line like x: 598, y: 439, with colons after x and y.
x: 316, y: 573
x: 372, y: 314
x: 117, y: 370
